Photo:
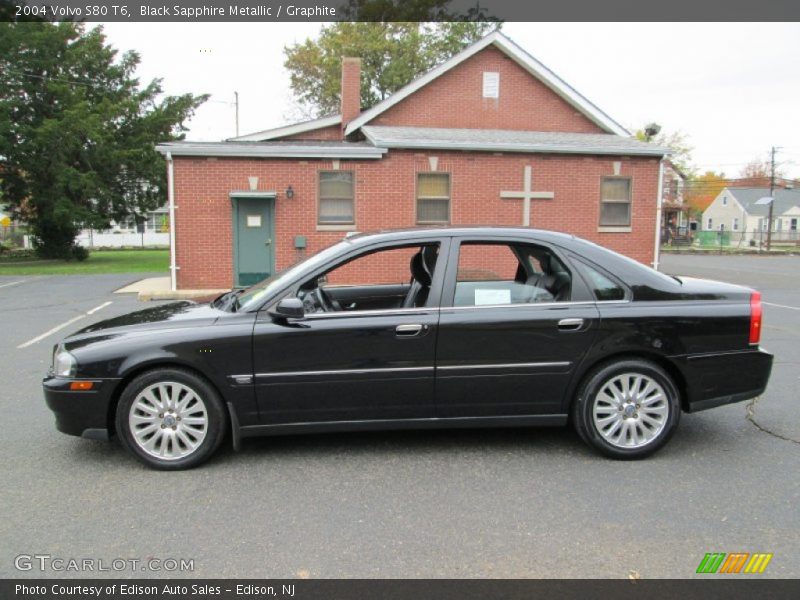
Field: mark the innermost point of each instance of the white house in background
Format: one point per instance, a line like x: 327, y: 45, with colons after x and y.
x: 125, y: 233
x: 738, y: 210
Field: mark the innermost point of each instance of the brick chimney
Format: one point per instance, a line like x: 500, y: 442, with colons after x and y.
x: 351, y: 90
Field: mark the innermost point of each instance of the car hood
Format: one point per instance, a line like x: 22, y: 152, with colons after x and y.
x: 175, y: 314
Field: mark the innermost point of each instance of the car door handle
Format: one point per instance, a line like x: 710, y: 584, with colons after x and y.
x: 408, y: 330
x: 570, y: 324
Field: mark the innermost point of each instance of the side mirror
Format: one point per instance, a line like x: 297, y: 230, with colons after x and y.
x: 289, y: 308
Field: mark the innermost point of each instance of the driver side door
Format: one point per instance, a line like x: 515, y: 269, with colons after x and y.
x: 352, y: 364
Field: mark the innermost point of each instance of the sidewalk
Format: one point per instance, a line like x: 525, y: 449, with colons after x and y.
x: 158, y: 288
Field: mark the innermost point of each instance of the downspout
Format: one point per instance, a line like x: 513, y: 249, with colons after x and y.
x: 171, y: 197
x: 659, y: 201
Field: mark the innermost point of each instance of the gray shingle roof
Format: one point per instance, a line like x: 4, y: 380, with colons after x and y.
x: 499, y: 140
x: 747, y: 197
x: 278, y: 149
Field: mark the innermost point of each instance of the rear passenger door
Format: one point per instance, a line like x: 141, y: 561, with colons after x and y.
x: 510, y: 334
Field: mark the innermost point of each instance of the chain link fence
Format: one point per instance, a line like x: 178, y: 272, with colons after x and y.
x: 747, y: 239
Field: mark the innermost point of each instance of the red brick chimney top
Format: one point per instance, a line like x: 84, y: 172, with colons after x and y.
x: 351, y: 90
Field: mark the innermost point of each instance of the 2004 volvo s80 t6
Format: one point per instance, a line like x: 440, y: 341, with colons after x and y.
x: 451, y: 327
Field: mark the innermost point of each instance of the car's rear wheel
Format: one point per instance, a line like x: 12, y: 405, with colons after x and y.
x: 170, y: 419
x: 627, y: 409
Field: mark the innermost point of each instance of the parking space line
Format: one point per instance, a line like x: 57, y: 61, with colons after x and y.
x: 782, y: 306
x: 10, y: 283
x: 57, y: 328
x: 96, y: 308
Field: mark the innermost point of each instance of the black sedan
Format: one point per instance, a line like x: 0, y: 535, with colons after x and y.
x: 425, y: 328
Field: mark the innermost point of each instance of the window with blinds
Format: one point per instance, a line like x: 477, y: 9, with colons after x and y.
x: 336, y: 198
x: 433, y: 198
x: 615, y: 202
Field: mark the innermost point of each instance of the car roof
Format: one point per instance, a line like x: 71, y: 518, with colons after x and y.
x: 414, y: 233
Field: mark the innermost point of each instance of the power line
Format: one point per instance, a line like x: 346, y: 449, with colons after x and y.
x: 51, y: 78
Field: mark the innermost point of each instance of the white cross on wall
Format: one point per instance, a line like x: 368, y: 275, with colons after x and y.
x: 527, y: 195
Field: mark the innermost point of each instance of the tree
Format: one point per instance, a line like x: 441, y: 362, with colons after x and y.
x: 77, y: 131
x: 758, y: 173
x: 392, y: 55
x: 676, y: 141
x: 700, y: 191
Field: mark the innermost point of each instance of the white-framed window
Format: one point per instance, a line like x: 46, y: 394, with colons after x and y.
x: 793, y: 224
x: 779, y: 224
x: 724, y: 201
x: 615, y: 202
x: 710, y: 224
x: 735, y: 224
x: 336, y: 198
x: 491, y: 84
x: 433, y: 198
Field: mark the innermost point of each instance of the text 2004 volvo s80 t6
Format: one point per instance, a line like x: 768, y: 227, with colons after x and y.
x: 454, y: 327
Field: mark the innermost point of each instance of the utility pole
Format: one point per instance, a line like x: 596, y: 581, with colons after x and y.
x: 771, y: 195
x: 236, y: 96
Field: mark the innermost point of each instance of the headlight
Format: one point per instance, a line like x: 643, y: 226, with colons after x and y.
x: 64, y: 364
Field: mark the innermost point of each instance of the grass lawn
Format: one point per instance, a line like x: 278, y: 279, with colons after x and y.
x: 99, y: 261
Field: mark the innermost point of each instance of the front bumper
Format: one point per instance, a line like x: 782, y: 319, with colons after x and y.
x: 83, y: 413
x: 718, y: 379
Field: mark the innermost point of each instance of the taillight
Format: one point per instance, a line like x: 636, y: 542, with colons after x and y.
x: 755, y: 317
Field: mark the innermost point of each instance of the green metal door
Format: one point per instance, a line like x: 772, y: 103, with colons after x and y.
x: 253, y: 244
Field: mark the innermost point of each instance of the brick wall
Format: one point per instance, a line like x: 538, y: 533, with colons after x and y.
x: 385, y: 198
x: 332, y: 133
x: 455, y: 99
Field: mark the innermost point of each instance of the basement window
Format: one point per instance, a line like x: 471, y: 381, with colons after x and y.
x: 491, y: 84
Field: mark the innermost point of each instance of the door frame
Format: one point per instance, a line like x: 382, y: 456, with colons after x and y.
x: 269, y: 201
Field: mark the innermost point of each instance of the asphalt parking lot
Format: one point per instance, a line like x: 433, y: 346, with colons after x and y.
x: 486, y: 503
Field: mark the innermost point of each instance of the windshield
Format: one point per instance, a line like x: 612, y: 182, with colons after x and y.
x: 252, y: 295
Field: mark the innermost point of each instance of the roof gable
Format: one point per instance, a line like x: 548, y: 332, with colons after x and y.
x: 557, y: 85
x: 455, y: 100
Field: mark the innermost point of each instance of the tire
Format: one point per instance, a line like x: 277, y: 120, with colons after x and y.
x: 627, y: 409
x: 168, y: 431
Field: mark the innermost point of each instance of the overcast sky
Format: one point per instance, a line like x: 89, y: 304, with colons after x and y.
x: 734, y: 89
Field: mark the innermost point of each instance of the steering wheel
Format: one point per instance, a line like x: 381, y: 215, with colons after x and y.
x: 325, y: 302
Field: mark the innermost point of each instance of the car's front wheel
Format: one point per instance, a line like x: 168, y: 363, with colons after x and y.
x: 170, y: 419
x: 627, y: 409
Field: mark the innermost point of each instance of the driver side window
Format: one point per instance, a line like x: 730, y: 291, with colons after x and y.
x: 390, y: 278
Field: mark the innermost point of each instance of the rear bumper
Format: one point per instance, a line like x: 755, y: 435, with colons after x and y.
x: 80, y: 413
x: 718, y: 379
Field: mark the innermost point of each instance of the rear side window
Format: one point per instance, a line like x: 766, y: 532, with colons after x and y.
x: 491, y: 274
x: 603, y: 287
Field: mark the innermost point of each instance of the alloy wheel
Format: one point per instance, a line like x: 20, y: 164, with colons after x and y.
x: 168, y: 420
x: 630, y: 410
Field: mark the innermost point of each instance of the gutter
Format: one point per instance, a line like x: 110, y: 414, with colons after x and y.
x: 173, y: 278
x: 659, y: 202
x: 243, y: 150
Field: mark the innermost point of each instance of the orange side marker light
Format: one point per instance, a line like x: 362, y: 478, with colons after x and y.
x: 81, y: 386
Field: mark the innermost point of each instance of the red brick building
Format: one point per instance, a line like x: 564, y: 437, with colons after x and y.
x: 490, y: 137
